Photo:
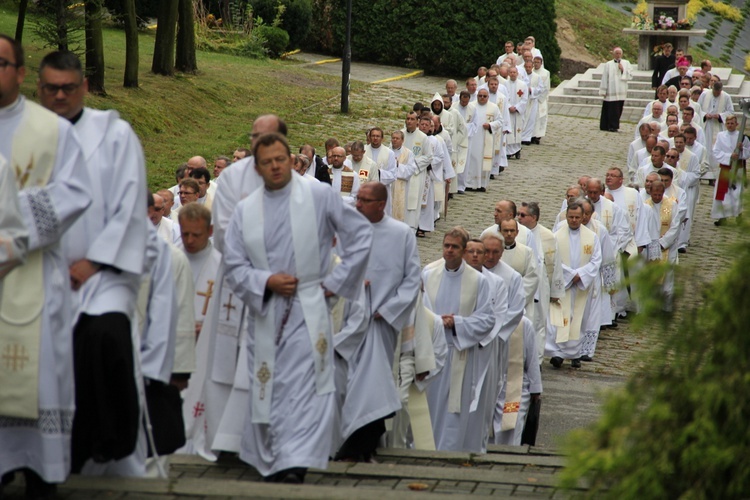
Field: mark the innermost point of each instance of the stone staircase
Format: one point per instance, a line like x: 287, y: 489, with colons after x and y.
x: 579, y: 96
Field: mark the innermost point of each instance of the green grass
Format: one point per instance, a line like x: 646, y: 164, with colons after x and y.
x: 598, y: 26
x: 211, y: 113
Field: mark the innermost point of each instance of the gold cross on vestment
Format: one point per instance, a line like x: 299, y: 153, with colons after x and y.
x: 264, y: 375
x: 229, y: 306
x: 15, y: 356
x: 208, y: 294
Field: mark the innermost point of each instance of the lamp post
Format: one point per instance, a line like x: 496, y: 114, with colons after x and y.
x: 347, y: 62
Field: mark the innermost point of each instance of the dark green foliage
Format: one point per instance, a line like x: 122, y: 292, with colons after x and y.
x: 679, y: 429
x: 276, y: 39
x: 444, y: 38
x: 295, y: 20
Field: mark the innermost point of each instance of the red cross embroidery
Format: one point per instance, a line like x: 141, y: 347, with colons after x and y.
x: 198, y: 409
x: 520, y: 92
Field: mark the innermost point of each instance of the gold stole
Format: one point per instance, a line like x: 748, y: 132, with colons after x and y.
x: 398, y: 205
x: 468, y: 301
x: 514, y: 379
x: 32, y: 159
x: 665, y: 216
x: 571, y: 327
x: 549, y: 247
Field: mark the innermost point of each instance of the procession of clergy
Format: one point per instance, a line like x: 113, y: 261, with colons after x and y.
x: 318, y: 334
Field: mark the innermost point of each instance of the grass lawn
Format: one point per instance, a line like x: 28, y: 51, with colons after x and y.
x: 598, y: 26
x: 211, y: 113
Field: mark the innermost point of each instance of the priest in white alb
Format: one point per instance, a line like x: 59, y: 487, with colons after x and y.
x: 581, y: 256
x: 416, y: 141
x: 485, y: 133
x: 277, y: 254
x: 730, y: 152
x: 518, y: 99
x: 406, y: 167
x: 37, y: 394
x: 461, y: 295
x: 14, y: 238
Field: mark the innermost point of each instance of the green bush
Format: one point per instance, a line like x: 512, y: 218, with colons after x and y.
x: 295, y: 19
x: 443, y: 38
x: 277, y: 39
x: 250, y: 45
x: 679, y: 429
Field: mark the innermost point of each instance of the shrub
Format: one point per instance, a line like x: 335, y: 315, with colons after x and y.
x: 295, y: 19
x: 276, y: 39
x: 445, y: 38
x: 679, y: 427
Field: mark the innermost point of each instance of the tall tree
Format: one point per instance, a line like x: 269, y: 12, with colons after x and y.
x: 186, y: 61
x: 163, y: 63
x: 61, y: 12
x: 94, y: 46
x: 131, y: 45
x: 22, y: 6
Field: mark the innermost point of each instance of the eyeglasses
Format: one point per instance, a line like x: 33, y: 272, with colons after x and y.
x: 4, y: 63
x: 186, y: 193
x: 672, y: 156
x: 67, y: 89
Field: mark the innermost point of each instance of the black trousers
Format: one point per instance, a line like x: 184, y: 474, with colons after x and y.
x: 105, y: 426
x: 611, y: 113
x: 362, y: 443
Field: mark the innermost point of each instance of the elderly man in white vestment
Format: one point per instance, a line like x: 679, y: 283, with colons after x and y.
x: 667, y: 212
x: 716, y: 105
x: 37, y: 394
x: 436, y: 171
x: 485, y: 133
x: 392, y: 282
x: 216, y: 401
x: 406, y: 167
x: 580, y: 252
x: 277, y: 255
x: 166, y: 228
x: 540, y: 129
x: 536, y: 92
x: 461, y: 295
x: 730, y: 153
x: 507, y: 210
x: 613, y: 87
x: 518, y: 99
x: 523, y: 259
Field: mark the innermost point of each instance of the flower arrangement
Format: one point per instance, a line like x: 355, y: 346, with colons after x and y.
x: 641, y: 21
x: 665, y: 23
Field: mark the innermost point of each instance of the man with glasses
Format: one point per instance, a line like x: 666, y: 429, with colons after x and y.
x: 106, y: 281
x: 189, y: 193
x: 392, y: 282
x: 37, y: 397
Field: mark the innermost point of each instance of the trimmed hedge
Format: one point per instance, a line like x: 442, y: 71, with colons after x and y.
x: 443, y: 38
x: 276, y: 39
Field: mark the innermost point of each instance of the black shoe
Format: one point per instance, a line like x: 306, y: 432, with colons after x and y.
x: 576, y: 363
x: 482, y: 190
x: 613, y: 324
x: 492, y: 177
x: 460, y: 192
x: 469, y: 190
x: 509, y: 156
x: 526, y: 143
x: 518, y: 155
x: 502, y: 169
x: 718, y: 222
x: 613, y: 130
x: 450, y: 196
x: 682, y: 250
x: 586, y: 358
x: 556, y: 361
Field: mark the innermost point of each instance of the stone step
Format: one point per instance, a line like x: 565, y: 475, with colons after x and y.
x: 595, y: 100
x: 590, y: 111
x: 645, y: 76
x: 732, y: 87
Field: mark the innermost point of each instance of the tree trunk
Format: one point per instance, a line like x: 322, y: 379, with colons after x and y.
x: 23, y: 4
x: 186, y: 61
x: 62, y: 25
x: 163, y: 63
x: 94, y: 47
x: 131, y: 45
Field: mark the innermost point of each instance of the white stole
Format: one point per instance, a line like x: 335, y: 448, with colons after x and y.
x: 22, y: 300
x: 468, y: 302
x: 309, y: 293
